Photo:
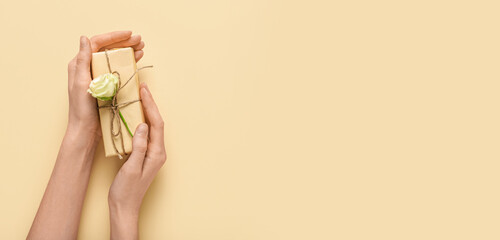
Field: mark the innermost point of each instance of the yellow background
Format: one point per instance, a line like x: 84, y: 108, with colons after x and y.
x: 284, y: 119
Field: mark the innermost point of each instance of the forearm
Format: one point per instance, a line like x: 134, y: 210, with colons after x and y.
x: 59, y: 213
x: 124, y: 223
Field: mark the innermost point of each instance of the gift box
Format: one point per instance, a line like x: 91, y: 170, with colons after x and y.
x: 119, y: 123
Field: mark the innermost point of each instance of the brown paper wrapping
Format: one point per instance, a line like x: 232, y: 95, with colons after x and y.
x: 121, y: 60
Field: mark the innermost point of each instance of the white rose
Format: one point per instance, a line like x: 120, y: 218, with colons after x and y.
x: 104, y: 87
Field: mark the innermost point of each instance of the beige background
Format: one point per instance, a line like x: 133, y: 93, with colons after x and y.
x: 285, y: 119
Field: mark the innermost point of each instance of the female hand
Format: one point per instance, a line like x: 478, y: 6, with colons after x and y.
x: 58, y: 216
x: 83, y: 113
x: 133, y: 179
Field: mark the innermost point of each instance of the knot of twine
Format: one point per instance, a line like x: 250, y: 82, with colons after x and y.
x: 115, y: 107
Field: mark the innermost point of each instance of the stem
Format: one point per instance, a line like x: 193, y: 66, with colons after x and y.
x: 126, y: 126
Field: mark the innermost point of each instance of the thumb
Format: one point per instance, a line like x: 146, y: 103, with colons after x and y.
x: 83, y: 58
x: 139, y: 146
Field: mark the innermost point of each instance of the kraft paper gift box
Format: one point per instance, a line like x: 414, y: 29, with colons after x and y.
x: 121, y: 60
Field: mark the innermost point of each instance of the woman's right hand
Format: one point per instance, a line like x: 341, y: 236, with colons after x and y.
x: 134, y: 177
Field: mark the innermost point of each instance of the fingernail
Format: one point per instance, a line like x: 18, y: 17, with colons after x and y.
x: 142, y: 129
x: 134, y: 38
x: 145, y: 88
x: 83, y: 41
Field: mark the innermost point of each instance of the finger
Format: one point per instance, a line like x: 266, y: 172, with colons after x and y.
x: 102, y: 40
x: 138, y: 55
x: 156, y: 155
x: 139, y: 46
x: 83, y: 60
x: 139, y: 147
x: 129, y: 42
x: 153, y: 115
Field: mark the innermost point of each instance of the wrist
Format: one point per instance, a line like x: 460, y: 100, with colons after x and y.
x: 89, y: 136
x: 124, y: 222
x: 122, y: 210
x: 79, y: 145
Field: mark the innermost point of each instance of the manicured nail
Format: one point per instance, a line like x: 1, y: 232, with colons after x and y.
x: 83, y: 42
x: 135, y: 38
x: 145, y: 88
x: 142, y: 129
